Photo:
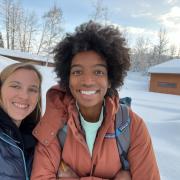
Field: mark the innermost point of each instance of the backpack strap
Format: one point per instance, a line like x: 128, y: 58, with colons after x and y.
x: 62, y: 135
x: 122, y: 134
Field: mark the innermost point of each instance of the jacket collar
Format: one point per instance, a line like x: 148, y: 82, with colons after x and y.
x: 24, y: 139
x: 9, y: 127
x: 55, y: 116
x: 59, y: 108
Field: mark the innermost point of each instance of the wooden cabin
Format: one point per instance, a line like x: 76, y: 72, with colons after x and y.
x: 165, y: 77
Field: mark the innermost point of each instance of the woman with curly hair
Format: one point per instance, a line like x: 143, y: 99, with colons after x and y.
x: 90, y: 64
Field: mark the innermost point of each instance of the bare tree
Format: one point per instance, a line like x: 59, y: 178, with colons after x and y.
x: 10, y: 14
x: 141, y: 59
x: 100, y: 11
x: 161, y: 48
x: 5, y: 13
x: 52, y: 30
x: 172, y: 50
x: 178, y: 53
x: 22, y: 31
x: 20, y: 26
x: 1, y: 41
x: 14, y: 23
x: 26, y: 30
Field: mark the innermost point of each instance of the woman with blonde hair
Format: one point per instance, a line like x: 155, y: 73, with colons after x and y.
x: 20, y: 111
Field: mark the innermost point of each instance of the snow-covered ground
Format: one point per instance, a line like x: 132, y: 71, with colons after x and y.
x: 161, y: 112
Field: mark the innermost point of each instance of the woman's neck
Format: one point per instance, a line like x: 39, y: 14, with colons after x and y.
x: 91, y: 114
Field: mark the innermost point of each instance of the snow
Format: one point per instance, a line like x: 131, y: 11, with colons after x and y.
x: 5, y: 62
x: 171, y: 67
x: 24, y: 55
x: 161, y: 113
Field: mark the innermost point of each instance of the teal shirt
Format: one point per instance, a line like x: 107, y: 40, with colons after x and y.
x: 91, y: 130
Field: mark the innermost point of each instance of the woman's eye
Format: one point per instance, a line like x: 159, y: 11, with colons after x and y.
x: 33, y: 90
x: 15, y: 86
x: 76, y: 73
x: 99, y: 73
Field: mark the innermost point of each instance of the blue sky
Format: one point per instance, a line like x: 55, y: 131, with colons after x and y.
x: 142, y: 17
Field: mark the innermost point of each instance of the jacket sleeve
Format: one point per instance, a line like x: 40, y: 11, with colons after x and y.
x: 44, y: 168
x: 141, y: 154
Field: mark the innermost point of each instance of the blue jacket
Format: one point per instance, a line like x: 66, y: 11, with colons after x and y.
x: 16, y: 150
x: 12, y: 160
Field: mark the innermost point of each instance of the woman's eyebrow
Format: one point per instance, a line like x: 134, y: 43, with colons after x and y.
x: 33, y: 85
x: 17, y: 82
x: 100, y: 65
x: 13, y: 81
x: 75, y: 65
x: 96, y: 65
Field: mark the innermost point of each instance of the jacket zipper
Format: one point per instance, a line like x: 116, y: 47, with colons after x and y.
x: 24, y: 162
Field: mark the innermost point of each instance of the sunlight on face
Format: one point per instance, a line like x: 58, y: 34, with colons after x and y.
x: 20, y: 93
x: 88, y: 80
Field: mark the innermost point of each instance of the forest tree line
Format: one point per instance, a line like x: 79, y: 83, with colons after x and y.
x: 25, y: 31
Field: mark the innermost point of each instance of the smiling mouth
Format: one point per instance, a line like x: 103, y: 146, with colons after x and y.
x: 20, y: 106
x: 88, y: 92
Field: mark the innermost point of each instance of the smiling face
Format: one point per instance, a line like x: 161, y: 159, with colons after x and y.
x: 88, y: 80
x: 19, y: 94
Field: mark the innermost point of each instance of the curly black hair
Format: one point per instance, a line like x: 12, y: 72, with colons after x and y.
x: 105, y: 40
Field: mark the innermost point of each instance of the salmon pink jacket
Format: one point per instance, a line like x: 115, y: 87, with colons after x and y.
x: 105, y: 162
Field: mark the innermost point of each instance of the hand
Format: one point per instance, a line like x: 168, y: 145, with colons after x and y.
x: 65, y: 171
x: 123, y: 175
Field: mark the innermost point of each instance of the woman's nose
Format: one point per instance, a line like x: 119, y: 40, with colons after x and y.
x: 24, y: 94
x: 88, y: 79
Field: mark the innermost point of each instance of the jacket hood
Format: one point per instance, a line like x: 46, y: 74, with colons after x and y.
x: 25, y: 139
x: 57, y: 104
x: 5, y: 121
x: 9, y: 127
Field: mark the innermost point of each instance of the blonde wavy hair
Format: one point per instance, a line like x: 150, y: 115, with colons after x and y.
x: 34, y: 117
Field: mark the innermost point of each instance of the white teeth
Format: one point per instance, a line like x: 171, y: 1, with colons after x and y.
x: 88, y: 92
x: 21, y: 106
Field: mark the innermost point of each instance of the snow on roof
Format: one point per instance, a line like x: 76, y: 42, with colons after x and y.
x: 4, y: 61
x: 24, y: 55
x: 169, y: 67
